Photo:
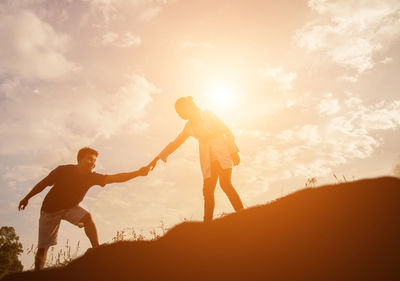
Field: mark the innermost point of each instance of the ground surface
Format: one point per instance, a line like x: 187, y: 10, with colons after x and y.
x: 347, y: 231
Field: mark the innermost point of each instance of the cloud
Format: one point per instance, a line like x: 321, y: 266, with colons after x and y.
x: 61, y: 120
x: 382, y: 118
x: 124, y: 40
x: 277, y: 74
x: 140, y: 10
x: 149, y: 13
x: 129, y: 102
x: 351, y: 33
x: 33, y: 49
x: 386, y: 60
x: 315, y: 149
x: 329, y: 105
x: 352, y: 79
x: 23, y: 173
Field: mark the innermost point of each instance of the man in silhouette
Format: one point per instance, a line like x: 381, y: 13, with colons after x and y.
x: 70, y: 184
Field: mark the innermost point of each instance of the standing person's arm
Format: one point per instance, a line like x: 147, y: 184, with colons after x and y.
x: 39, y: 187
x: 171, y: 147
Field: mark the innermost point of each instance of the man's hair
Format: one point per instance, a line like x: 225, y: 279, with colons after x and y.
x: 85, y: 151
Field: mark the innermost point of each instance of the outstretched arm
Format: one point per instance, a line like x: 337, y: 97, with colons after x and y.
x: 123, y: 177
x: 171, y: 147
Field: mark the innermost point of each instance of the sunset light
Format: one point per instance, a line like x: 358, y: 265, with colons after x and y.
x: 221, y: 96
x: 187, y: 110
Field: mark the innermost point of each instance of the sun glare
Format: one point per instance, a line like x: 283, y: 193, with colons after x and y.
x: 221, y: 96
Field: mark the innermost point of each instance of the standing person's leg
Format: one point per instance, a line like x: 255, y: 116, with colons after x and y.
x: 208, y: 193
x: 226, y: 185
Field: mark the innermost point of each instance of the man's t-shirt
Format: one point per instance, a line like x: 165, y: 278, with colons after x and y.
x: 69, y: 187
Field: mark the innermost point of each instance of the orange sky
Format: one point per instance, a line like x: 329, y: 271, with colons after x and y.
x: 309, y: 88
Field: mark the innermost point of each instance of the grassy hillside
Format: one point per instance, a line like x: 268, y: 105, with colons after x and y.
x: 347, y: 231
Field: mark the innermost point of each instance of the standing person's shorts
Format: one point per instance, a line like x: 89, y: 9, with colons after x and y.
x: 49, y: 223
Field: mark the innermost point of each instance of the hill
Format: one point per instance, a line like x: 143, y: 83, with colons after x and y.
x: 348, y: 231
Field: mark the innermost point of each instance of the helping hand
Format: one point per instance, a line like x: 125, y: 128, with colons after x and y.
x: 153, y: 163
x: 22, y: 204
x: 144, y: 171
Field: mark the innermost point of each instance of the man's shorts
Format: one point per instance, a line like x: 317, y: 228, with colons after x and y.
x: 49, y: 223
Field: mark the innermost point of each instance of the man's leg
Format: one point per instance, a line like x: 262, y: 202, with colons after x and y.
x: 40, y: 258
x: 49, y: 224
x: 227, y: 187
x: 208, y: 193
x: 90, y: 230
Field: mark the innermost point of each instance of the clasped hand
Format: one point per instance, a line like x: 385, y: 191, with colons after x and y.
x: 144, y: 171
x: 153, y: 163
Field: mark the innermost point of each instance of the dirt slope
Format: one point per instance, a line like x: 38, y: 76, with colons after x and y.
x: 347, y: 231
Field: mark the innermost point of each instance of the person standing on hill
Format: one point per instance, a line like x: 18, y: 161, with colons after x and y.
x: 70, y: 184
x: 218, y: 152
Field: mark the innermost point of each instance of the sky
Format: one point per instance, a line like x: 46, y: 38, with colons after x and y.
x: 310, y: 89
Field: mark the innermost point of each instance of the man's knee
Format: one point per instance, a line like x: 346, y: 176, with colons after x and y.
x: 87, y: 219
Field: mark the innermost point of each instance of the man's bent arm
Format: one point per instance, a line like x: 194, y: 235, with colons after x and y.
x: 35, y: 190
x: 39, y: 187
x: 123, y: 177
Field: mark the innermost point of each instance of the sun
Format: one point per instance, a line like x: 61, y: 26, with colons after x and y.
x: 221, y: 96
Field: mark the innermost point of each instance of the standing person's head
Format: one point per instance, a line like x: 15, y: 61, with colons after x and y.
x: 87, y: 159
x: 186, y: 108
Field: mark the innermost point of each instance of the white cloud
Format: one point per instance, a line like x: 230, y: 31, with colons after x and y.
x: 32, y: 50
x: 128, y: 103
x: 329, y: 105
x: 109, y: 38
x: 352, y: 79
x: 149, y: 13
x: 284, y: 79
x: 285, y: 135
x: 23, y: 173
x: 351, y: 33
x: 62, y: 120
x: 312, y: 150
x: 382, y: 118
x: 13, y: 5
x: 386, y: 60
x: 140, y: 10
x: 124, y: 40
